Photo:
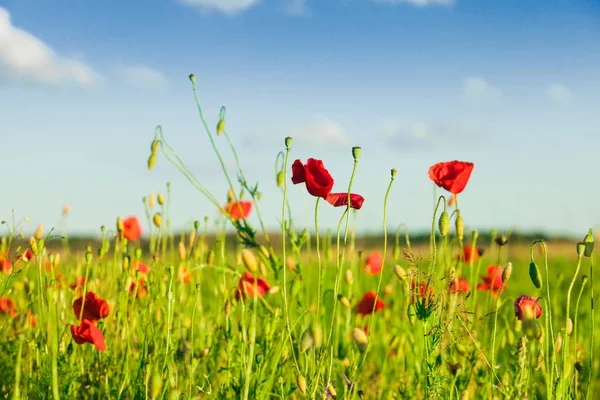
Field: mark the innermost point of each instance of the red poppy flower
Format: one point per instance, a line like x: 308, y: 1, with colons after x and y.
x: 7, y: 306
x: 239, y: 209
x: 367, y: 302
x: 5, y: 264
x: 460, y: 285
x: 373, y: 263
x: 313, y: 173
x: 26, y: 256
x: 247, y: 286
x: 526, y: 303
x: 142, y: 289
x: 132, y: 230
x: 140, y: 266
x: 88, y: 333
x: 184, y: 275
x: 31, y: 318
x: 493, y: 280
x: 94, y: 308
x: 452, y: 175
x: 341, y: 200
x: 425, y: 291
x: 471, y: 254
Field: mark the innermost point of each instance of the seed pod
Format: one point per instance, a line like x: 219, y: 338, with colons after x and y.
x: 249, y: 260
x: 535, y: 275
x: 360, y: 339
x: 151, y: 161
x: 288, y: 142
x: 280, y: 178
x: 301, y: 381
x: 589, y: 243
x: 506, y: 272
x: 160, y: 198
x: 157, y: 219
x: 580, y: 249
x: 460, y: 226
x: 444, y: 223
x: 356, y: 152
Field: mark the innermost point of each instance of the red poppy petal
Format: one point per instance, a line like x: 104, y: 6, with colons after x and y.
x: 298, y: 172
x: 341, y: 200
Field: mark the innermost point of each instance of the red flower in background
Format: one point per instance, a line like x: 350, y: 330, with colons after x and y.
x: 471, y: 254
x: 27, y: 256
x: 493, y: 280
x: 425, y: 291
x: 313, y: 173
x: 132, y: 230
x: 373, y: 263
x: 526, y: 303
x: 7, y: 306
x: 367, y: 302
x: 341, y: 200
x: 142, y: 289
x: 5, y: 264
x: 451, y: 175
x: 247, y: 286
x: 88, y: 333
x: 460, y: 285
x: 140, y: 266
x: 239, y: 209
x: 94, y: 308
x: 184, y: 275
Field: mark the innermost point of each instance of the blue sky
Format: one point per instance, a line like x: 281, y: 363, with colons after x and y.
x: 513, y: 86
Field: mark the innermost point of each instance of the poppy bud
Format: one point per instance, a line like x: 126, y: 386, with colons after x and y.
x: 192, y: 79
x: 506, y: 272
x: 360, y: 339
x: 580, y: 249
x: 288, y: 142
x: 569, y: 326
x: 394, y: 172
x: 33, y: 245
x: 584, y: 279
x: 331, y: 390
x: 160, y: 198
x: 230, y: 195
x: 306, y: 341
x: 249, y: 260
x: 265, y: 252
x: 157, y: 219
x: 39, y: 232
x: 280, y: 179
x: 182, y: 252
x: 151, y: 161
x: 501, y: 240
x: 120, y: 226
x: 349, y: 277
x: 317, y: 334
x: 535, y: 275
x: 356, y: 152
x: 589, y: 243
x: 400, y: 272
x: 154, y: 146
x: 559, y: 342
x: 460, y: 226
x: 88, y: 257
x: 210, y: 257
x: 220, y: 126
x: 301, y: 382
x: 396, y: 252
x: 344, y: 300
x: 444, y: 223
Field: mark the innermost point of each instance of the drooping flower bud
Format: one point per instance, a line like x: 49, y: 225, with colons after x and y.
x: 160, y: 198
x: 360, y: 339
x: 249, y: 260
x: 151, y: 161
x: 535, y: 275
x: 444, y: 223
x: 157, y: 219
x: 460, y: 226
x: 154, y: 146
x: 589, y: 243
x: 220, y: 126
x: 280, y: 179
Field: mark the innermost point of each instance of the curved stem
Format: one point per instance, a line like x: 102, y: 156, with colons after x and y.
x: 567, y: 336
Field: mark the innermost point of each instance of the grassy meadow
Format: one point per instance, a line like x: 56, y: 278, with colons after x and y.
x: 294, y: 314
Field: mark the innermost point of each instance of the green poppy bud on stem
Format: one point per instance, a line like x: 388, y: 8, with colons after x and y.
x: 192, y: 79
x: 580, y: 249
x: 356, y: 152
x: 160, y: 198
x: 157, y: 219
x: 151, y: 161
x: 400, y: 272
x: 288, y: 142
x: 220, y: 127
x: 506, y: 272
x: 301, y: 381
x: 589, y: 243
x: 280, y: 179
x: 360, y: 339
x: 394, y: 172
x: 154, y: 146
x: 444, y: 223
x: 249, y: 260
x: 535, y: 275
x: 460, y: 226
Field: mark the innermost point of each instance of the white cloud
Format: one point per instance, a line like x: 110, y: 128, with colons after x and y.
x: 428, y: 135
x: 224, y: 6
x: 24, y: 56
x: 296, y: 7
x: 478, y: 89
x: 559, y: 94
x: 418, y: 3
x: 323, y: 132
x: 143, y: 77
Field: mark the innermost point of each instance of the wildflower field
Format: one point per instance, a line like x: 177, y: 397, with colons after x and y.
x: 295, y: 314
